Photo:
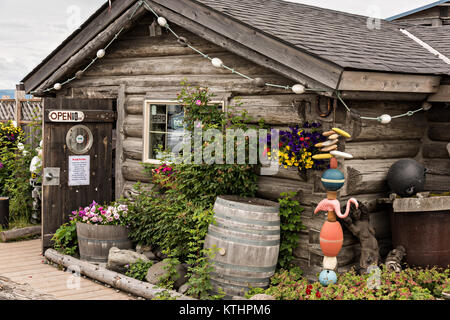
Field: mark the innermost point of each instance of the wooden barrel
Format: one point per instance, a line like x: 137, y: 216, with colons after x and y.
x: 422, y: 226
x: 94, y: 241
x: 4, y: 212
x: 247, y: 233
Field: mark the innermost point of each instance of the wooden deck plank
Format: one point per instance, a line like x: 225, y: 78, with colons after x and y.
x: 22, y: 262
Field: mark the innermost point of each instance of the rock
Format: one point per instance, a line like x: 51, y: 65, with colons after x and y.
x: 262, y: 296
x: 184, y: 288
x: 150, y: 255
x: 157, y: 271
x: 238, y: 298
x: 140, y: 248
x: 117, y: 259
x: 159, y: 254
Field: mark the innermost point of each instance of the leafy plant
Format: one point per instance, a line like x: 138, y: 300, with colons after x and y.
x: 138, y: 270
x: 65, y: 238
x: 409, y: 284
x: 291, y: 225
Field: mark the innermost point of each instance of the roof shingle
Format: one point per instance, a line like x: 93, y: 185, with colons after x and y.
x: 339, y: 37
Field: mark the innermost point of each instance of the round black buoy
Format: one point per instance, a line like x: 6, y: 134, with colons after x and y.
x: 406, y: 177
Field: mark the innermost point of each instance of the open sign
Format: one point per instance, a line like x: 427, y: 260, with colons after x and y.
x: 66, y: 116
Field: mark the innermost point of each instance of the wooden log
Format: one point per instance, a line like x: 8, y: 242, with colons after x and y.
x: 366, y: 176
x: 275, y: 109
x: 175, y: 65
x: 439, y: 131
x: 132, y: 148
x: 439, y: 113
x: 436, y: 182
x: 95, y: 44
x: 388, y: 82
x: 434, y: 149
x: 394, y: 259
x: 133, y: 126
x: 370, y: 201
x: 106, y: 92
x: 120, y: 136
x: 159, y: 47
x: 133, y: 170
x: 271, y: 188
x: 437, y: 166
x: 412, y: 128
x: 301, y: 251
x: 117, y: 280
x: 10, y: 290
x: 15, y: 234
x: 130, y: 192
x: 383, y: 149
x: 170, y: 83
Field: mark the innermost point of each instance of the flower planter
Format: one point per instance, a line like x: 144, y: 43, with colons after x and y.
x: 4, y: 212
x: 94, y: 241
x: 422, y: 226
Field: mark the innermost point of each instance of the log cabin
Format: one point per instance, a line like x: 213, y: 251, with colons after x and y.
x: 377, y: 67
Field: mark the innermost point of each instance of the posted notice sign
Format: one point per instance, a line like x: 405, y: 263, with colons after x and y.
x: 79, y: 170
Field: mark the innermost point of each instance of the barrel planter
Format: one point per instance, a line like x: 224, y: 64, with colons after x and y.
x: 94, y: 241
x: 247, y: 234
x: 4, y: 212
x: 422, y: 226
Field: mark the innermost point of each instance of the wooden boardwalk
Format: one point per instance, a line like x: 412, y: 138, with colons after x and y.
x: 22, y: 262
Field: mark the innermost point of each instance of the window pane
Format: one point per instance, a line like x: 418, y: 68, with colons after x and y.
x: 176, y: 116
x: 156, y: 139
x: 158, y: 118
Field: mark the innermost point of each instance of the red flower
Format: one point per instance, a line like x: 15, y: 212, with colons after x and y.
x: 308, y: 291
x: 302, y: 139
x: 318, y: 294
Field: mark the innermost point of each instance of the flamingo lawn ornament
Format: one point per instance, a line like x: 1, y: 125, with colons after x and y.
x: 334, y: 205
x: 331, y: 234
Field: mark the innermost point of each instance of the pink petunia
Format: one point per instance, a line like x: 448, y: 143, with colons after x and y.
x: 198, y: 102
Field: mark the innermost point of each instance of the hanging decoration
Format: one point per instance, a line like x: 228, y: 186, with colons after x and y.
x: 331, y: 234
x: 218, y: 63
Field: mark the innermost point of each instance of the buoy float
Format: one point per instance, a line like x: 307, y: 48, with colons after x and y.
x: 331, y: 238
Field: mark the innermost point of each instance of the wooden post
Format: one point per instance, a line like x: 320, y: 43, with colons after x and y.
x: 332, y: 195
x: 20, y: 95
x: 119, y: 141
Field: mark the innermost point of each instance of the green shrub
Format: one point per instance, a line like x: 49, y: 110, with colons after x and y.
x: 65, y: 239
x: 291, y: 225
x: 138, y: 270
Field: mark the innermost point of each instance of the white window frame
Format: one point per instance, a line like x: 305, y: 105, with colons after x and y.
x: 146, y: 127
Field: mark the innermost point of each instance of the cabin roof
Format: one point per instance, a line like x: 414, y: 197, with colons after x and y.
x: 333, y: 38
x: 437, y: 37
x: 342, y: 38
x: 410, y: 12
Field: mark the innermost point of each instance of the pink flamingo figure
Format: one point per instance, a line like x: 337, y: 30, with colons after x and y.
x: 334, y: 205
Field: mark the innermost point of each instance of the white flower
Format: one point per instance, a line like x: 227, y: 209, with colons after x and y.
x: 116, y: 216
x: 20, y: 146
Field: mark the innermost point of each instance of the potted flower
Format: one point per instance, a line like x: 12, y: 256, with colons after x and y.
x: 100, y: 228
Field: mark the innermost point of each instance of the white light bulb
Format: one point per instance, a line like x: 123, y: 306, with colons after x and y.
x: 298, y: 89
x: 216, y: 62
x: 57, y: 86
x: 385, y: 119
x: 101, y: 53
x: 162, y: 21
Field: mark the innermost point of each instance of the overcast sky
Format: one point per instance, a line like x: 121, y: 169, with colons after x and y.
x: 31, y: 29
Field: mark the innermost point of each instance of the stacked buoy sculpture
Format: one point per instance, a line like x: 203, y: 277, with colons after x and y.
x: 331, y: 234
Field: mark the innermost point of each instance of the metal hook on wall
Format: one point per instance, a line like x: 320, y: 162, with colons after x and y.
x: 321, y: 113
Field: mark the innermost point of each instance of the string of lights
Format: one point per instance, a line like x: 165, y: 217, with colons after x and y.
x: 218, y: 63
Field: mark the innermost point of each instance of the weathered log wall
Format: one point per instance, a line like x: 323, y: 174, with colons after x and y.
x: 152, y: 68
